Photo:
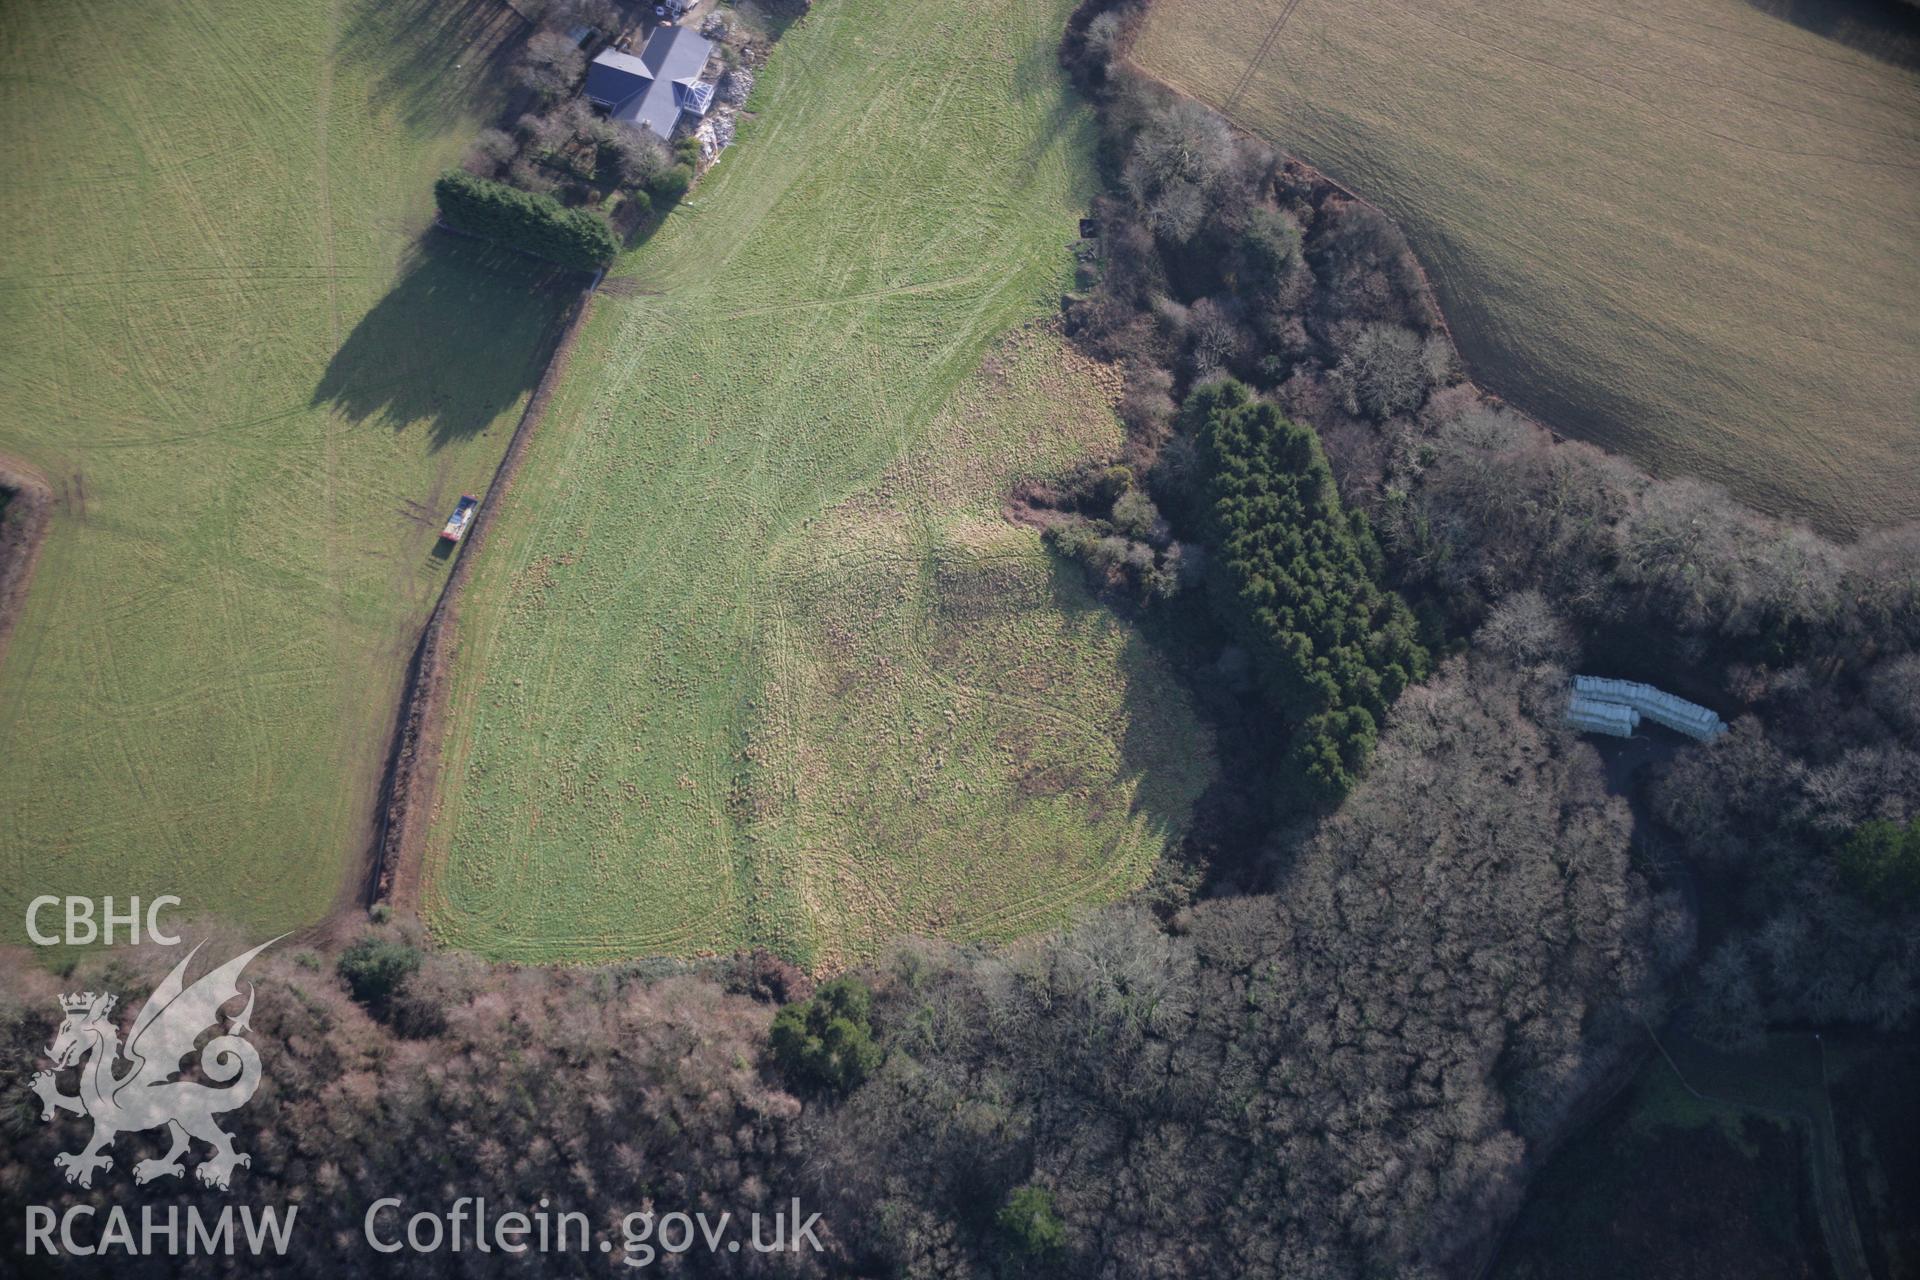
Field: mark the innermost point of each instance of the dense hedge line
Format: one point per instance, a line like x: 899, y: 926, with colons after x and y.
x: 534, y: 224
x: 1298, y: 581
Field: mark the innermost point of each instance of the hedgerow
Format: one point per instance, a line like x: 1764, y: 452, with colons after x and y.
x: 522, y: 220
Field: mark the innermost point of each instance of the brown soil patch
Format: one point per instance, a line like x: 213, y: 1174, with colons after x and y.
x: 23, y: 528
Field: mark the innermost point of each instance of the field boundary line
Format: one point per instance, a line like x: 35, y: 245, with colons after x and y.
x: 409, y: 782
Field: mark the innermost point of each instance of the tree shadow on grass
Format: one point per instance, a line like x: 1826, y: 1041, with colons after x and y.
x: 1888, y: 30
x: 444, y: 61
x: 463, y: 335
x: 1171, y: 655
x: 1167, y: 745
x: 1069, y: 115
x: 641, y: 229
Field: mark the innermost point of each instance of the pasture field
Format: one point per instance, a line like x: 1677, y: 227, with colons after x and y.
x: 255, y: 392
x: 1681, y: 229
x: 750, y: 658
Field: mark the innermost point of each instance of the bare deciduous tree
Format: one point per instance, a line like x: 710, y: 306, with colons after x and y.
x: 550, y: 65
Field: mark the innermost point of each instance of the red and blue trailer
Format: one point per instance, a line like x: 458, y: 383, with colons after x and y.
x: 462, y: 516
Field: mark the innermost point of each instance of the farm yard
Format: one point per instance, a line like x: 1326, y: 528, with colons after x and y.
x: 256, y: 394
x: 1683, y: 231
x: 750, y: 656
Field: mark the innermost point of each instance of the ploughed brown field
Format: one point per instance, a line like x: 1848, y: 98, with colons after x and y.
x: 1687, y: 230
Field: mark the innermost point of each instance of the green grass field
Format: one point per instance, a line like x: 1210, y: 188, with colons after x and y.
x: 256, y: 397
x: 750, y: 659
x: 1682, y: 229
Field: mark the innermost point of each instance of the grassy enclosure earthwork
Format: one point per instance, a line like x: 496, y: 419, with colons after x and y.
x: 254, y: 391
x: 751, y: 658
x: 1684, y: 231
x: 954, y: 736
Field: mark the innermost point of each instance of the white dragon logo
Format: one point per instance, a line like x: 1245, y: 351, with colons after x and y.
x: 147, y: 1096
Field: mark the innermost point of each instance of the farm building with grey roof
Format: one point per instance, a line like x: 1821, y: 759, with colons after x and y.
x: 652, y: 91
